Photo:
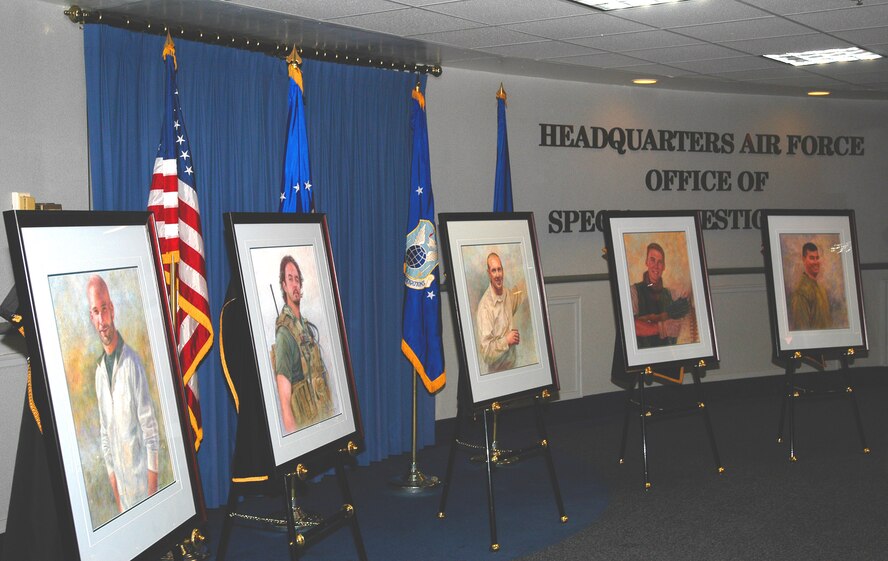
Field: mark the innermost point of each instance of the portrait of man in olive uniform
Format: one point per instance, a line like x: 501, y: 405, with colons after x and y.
x: 300, y: 374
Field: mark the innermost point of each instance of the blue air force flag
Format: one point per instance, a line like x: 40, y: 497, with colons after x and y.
x: 296, y: 195
x: 422, y: 306
x: 502, y: 183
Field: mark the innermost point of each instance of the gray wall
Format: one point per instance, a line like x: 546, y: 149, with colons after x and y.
x: 42, y: 151
x: 462, y: 138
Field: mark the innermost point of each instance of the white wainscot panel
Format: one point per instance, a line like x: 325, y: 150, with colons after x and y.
x: 567, y: 334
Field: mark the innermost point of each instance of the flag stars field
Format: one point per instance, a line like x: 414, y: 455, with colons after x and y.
x: 419, y: 190
x: 430, y: 294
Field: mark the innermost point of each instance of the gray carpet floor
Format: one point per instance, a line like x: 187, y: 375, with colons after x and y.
x: 831, y: 504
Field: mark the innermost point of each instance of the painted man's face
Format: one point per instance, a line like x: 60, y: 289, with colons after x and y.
x: 495, y: 273
x: 812, y: 264
x: 656, y: 264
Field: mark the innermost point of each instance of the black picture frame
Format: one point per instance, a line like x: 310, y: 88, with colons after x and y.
x: 256, y: 242
x: 798, y: 324
x: 469, y: 240
x: 55, y: 254
x: 682, y: 335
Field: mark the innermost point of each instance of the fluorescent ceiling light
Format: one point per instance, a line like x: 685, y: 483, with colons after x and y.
x: 818, y: 93
x: 825, y: 56
x: 644, y: 81
x: 607, y: 5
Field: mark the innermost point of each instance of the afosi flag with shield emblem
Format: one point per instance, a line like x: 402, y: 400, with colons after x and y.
x: 422, y: 307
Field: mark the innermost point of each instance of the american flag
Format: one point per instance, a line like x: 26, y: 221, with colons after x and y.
x: 173, y: 201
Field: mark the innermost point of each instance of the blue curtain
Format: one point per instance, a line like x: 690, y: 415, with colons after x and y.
x: 235, y: 107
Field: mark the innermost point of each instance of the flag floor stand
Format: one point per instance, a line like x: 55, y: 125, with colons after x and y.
x: 792, y: 392
x: 464, y: 416
x: 414, y: 481
x: 646, y: 413
x: 301, y: 532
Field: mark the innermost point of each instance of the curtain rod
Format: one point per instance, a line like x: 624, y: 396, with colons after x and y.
x: 82, y: 15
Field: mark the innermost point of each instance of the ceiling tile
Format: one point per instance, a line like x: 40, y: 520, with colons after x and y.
x: 784, y: 7
x: 686, y: 53
x: 783, y: 71
x: 323, y: 9
x: 540, y: 50
x: 501, y: 12
x: 848, y: 68
x: 636, y: 41
x: 866, y: 78
x: 604, y: 60
x: 865, y: 37
x: 656, y: 70
x: 719, y: 65
x: 847, y: 18
x: 692, y: 12
x: 479, y: 37
x: 738, y: 30
x: 788, y: 44
x: 408, y: 21
x: 595, y: 24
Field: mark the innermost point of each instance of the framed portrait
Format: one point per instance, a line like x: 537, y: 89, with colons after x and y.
x: 499, y: 303
x: 660, y: 288
x: 106, y: 378
x: 297, y: 333
x: 813, y: 275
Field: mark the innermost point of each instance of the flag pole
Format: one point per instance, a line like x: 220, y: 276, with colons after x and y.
x: 414, y: 481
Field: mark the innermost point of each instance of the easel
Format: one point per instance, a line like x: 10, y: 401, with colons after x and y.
x: 299, y: 539
x: 465, y: 412
x: 791, y: 393
x: 253, y: 467
x: 644, y: 414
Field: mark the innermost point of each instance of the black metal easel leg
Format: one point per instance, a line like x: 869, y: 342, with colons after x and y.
x: 448, y: 477
x: 353, y: 521
x: 544, y: 442
x: 289, y: 494
x: 642, y: 414
x: 701, y: 403
x: 491, y: 508
x: 850, y: 389
x: 626, y: 416
x: 791, y: 395
x: 227, y: 523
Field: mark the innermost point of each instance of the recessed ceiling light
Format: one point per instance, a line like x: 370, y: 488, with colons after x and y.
x: 608, y: 5
x: 825, y: 56
x: 818, y: 93
x: 644, y: 81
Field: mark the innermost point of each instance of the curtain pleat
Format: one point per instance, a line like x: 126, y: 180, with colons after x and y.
x: 235, y: 108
